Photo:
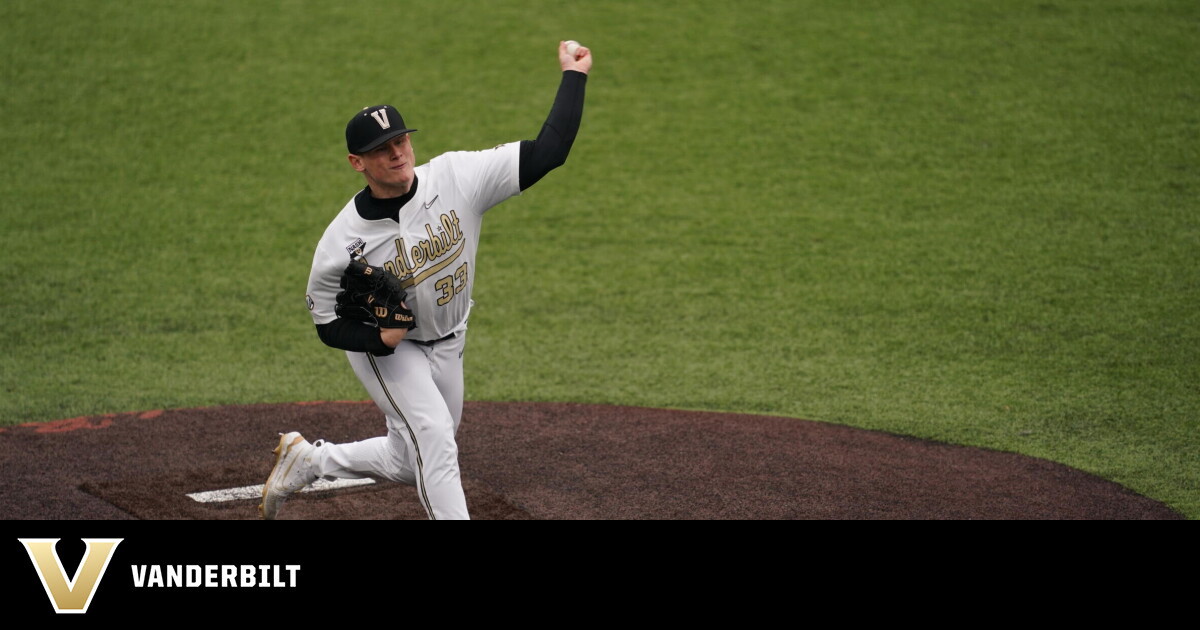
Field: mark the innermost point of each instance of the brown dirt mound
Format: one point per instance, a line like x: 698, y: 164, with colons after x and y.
x: 546, y: 461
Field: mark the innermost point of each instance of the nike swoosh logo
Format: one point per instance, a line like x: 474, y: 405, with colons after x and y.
x: 430, y: 204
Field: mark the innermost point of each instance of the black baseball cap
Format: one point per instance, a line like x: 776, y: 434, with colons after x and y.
x: 372, y: 127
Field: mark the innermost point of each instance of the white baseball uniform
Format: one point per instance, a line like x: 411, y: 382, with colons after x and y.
x: 419, y: 387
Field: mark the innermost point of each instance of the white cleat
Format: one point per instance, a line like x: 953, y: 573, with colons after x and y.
x: 293, y: 463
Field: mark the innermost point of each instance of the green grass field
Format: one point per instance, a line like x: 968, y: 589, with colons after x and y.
x: 974, y: 222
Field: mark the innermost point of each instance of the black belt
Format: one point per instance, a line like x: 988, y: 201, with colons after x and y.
x: 430, y: 343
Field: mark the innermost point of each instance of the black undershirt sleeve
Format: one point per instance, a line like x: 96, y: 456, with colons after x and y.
x: 348, y: 334
x: 549, y: 151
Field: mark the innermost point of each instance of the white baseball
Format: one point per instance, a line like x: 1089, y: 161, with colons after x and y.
x: 572, y: 47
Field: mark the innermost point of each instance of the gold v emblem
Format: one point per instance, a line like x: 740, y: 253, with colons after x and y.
x: 75, y: 595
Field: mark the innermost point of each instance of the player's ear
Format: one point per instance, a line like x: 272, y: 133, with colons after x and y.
x: 356, y: 162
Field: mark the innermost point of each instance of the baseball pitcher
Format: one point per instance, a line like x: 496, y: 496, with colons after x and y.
x: 391, y: 285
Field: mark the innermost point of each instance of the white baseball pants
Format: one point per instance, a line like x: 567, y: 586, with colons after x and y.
x: 420, y: 391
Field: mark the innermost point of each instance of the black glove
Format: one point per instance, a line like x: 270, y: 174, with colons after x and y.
x: 373, y: 295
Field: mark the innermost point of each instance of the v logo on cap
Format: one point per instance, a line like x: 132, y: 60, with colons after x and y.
x: 380, y: 116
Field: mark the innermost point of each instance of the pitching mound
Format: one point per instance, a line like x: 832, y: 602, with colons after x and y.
x: 542, y: 461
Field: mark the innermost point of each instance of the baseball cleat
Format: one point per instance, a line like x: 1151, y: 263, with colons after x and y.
x: 293, y: 463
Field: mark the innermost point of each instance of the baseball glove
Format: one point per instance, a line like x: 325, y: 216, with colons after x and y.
x: 373, y: 295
